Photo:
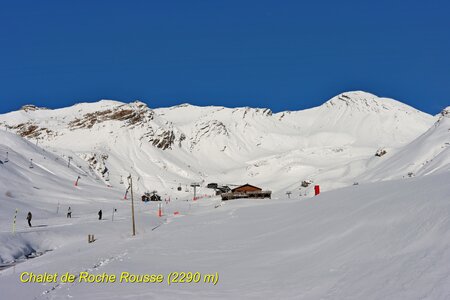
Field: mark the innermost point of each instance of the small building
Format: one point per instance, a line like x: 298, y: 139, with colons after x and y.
x: 212, y: 185
x: 145, y: 197
x: 222, y: 189
x: 246, y: 191
x: 153, y: 196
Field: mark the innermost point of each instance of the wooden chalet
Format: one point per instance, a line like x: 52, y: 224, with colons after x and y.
x: 246, y: 191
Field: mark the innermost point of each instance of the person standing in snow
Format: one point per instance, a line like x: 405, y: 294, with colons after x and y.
x: 100, y: 214
x: 29, y: 216
x: 69, y: 213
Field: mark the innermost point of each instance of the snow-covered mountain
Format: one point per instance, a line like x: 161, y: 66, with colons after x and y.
x: 388, y: 237
x: 168, y: 147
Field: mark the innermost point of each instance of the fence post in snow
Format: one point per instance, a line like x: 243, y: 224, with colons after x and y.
x: 159, y: 210
x: 114, y: 210
x: 14, y: 221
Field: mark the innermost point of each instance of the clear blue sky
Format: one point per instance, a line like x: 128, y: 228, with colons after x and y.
x: 284, y: 55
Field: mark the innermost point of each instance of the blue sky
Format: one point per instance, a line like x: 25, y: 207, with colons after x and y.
x: 285, y: 55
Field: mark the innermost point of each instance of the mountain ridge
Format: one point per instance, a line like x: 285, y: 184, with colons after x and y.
x: 183, y: 143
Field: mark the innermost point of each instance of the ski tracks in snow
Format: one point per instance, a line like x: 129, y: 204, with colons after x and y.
x: 49, y: 293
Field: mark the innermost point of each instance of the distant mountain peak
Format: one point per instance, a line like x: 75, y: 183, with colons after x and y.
x: 366, y: 102
x: 358, y: 99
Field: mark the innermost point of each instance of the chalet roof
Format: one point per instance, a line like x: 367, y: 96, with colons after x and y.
x: 249, y: 185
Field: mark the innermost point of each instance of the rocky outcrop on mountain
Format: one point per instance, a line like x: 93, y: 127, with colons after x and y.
x: 445, y: 112
x: 442, y: 116
x: 31, y: 107
x: 163, y: 139
x: 252, y: 112
x: 133, y: 114
x: 207, y: 129
x: 97, y: 161
x: 31, y: 130
x: 181, y: 139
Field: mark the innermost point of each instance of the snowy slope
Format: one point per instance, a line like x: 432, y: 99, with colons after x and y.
x: 354, y: 243
x: 387, y: 240
x: 47, y: 176
x: 47, y: 190
x: 427, y: 154
x: 363, y: 118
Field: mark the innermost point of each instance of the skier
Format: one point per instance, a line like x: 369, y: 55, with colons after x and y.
x: 100, y: 214
x: 29, y: 216
x: 69, y: 213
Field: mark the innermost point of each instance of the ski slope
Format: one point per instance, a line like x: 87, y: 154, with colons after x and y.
x: 372, y: 241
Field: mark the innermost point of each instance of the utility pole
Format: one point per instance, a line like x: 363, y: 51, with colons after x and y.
x: 195, y: 185
x: 130, y: 181
x: 289, y: 194
x: 68, y: 164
